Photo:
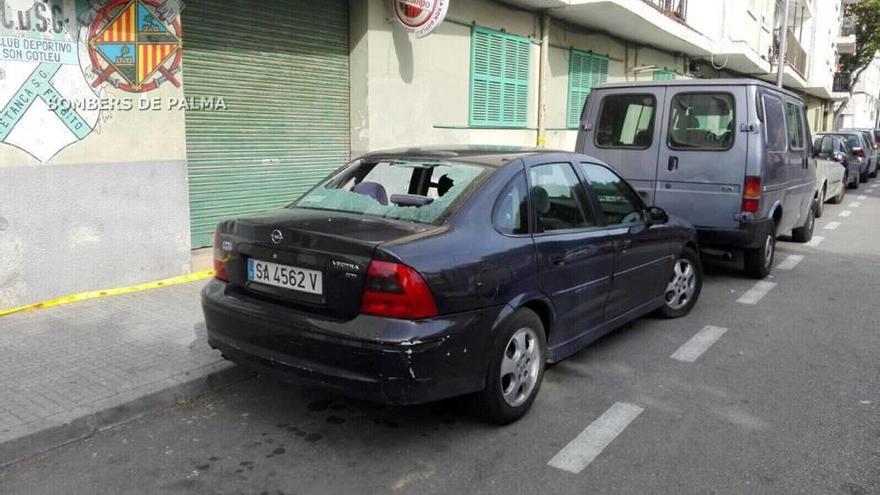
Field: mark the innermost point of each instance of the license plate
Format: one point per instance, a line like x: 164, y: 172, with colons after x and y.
x: 286, y: 277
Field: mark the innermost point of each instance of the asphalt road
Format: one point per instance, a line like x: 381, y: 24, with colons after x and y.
x: 785, y: 401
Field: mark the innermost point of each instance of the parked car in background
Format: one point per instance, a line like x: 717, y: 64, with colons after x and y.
x: 831, y: 173
x: 703, y: 150
x: 836, y: 147
x: 859, y: 145
x: 872, y: 150
x: 415, y: 275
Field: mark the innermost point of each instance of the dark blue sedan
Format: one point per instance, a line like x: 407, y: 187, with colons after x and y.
x: 415, y: 275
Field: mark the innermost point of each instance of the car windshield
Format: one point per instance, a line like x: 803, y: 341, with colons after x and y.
x: 416, y: 191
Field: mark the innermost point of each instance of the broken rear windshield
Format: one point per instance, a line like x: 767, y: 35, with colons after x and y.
x: 423, y: 192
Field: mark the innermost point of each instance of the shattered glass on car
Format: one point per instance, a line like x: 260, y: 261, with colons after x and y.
x: 422, y: 192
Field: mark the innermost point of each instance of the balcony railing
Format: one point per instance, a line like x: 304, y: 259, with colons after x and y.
x: 796, y: 57
x: 848, y: 27
x: 677, y: 9
x: 842, y: 82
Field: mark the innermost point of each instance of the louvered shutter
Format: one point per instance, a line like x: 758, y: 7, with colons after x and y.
x: 500, y: 71
x: 585, y: 72
x: 283, y: 70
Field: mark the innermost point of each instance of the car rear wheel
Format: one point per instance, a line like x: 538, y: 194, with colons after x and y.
x: 820, y: 203
x: 516, y: 368
x: 759, y: 261
x: 863, y: 177
x: 685, y: 287
x: 805, y: 233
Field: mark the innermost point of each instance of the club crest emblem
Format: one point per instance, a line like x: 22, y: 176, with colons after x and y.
x: 133, y: 48
x: 40, y: 67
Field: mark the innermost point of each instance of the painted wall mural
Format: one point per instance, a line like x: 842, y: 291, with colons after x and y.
x: 61, y: 60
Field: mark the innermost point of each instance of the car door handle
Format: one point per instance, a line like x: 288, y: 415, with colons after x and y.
x: 672, y: 164
x: 572, y: 255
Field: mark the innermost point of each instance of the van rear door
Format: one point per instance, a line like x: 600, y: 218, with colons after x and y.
x: 622, y: 128
x: 702, y: 159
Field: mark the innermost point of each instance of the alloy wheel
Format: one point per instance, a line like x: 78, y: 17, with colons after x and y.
x: 520, y: 366
x: 681, y: 289
x: 768, y: 251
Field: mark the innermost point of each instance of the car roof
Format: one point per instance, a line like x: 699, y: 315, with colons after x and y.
x: 702, y: 82
x: 487, y: 155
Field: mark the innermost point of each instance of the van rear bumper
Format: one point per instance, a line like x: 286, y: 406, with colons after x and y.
x: 749, y: 235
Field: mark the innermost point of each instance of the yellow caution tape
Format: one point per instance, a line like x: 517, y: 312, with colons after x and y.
x: 85, y: 296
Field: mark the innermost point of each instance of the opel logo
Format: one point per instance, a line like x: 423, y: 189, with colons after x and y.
x: 277, y: 236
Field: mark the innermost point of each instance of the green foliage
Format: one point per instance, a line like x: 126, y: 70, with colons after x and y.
x: 867, y: 18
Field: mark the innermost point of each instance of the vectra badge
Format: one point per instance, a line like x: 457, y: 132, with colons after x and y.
x: 277, y: 236
x: 349, y: 267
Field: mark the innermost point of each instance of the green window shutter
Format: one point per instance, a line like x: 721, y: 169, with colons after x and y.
x: 665, y: 75
x: 500, y: 71
x: 585, y: 71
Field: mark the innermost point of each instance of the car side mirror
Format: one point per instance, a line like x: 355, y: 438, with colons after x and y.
x: 657, y: 215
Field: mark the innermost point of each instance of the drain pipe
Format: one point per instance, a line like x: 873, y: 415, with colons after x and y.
x: 783, y: 46
x: 543, y: 72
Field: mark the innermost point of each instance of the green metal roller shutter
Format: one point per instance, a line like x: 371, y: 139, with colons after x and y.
x: 283, y: 71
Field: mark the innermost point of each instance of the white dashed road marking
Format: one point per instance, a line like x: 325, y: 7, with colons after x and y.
x: 578, y: 454
x: 756, y: 293
x: 862, y: 197
x: 817, y: 239
x: 845, y: 213
x: 832, y: 226
x: 854, y: 204
x: 699, y: 343
x: 790, y: 262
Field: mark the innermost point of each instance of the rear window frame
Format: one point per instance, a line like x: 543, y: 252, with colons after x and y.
x: 799, y: 108
x: 763, y: 96
x: 718, y: 150
x: 653, y: 126
x: 453, y: 207
x: 520, y: 175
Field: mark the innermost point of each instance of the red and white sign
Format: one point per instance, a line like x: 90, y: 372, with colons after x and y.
x: 420, y: 16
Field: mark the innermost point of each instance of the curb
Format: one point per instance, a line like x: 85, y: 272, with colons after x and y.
x: 19, y: 449
x: 98, y: 294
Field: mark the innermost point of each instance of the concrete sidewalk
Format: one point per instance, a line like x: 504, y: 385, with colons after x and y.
x: 68, y: 371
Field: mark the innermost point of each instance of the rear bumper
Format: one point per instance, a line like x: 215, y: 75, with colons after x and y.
x: 367, y: 357
x: 749, y: 235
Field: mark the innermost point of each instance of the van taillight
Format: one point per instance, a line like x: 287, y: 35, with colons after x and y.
x: 752, y: 195
x: 397, y: 291
x: 219, y: 264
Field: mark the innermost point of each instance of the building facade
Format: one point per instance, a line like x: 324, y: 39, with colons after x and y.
x: 131, y: 127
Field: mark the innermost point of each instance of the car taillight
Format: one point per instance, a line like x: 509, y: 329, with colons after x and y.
x: 859, y: 152
x: 397, y: 291
x: 752, y: 195
x: 219, y: 264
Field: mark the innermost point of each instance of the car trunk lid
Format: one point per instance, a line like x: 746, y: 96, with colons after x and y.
x: 331, y: 248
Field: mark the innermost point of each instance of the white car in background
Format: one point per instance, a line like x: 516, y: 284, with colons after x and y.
x: 830, y: 175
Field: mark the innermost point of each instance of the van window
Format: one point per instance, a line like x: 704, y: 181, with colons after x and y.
x: 559, y: 198
x: 702, y: 121
x: 774, y: 124
x: 511, y: 211
x: 626, y: 121
x: 795, y: 126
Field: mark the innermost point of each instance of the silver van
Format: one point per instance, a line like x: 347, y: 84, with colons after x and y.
x: 732, y: 156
